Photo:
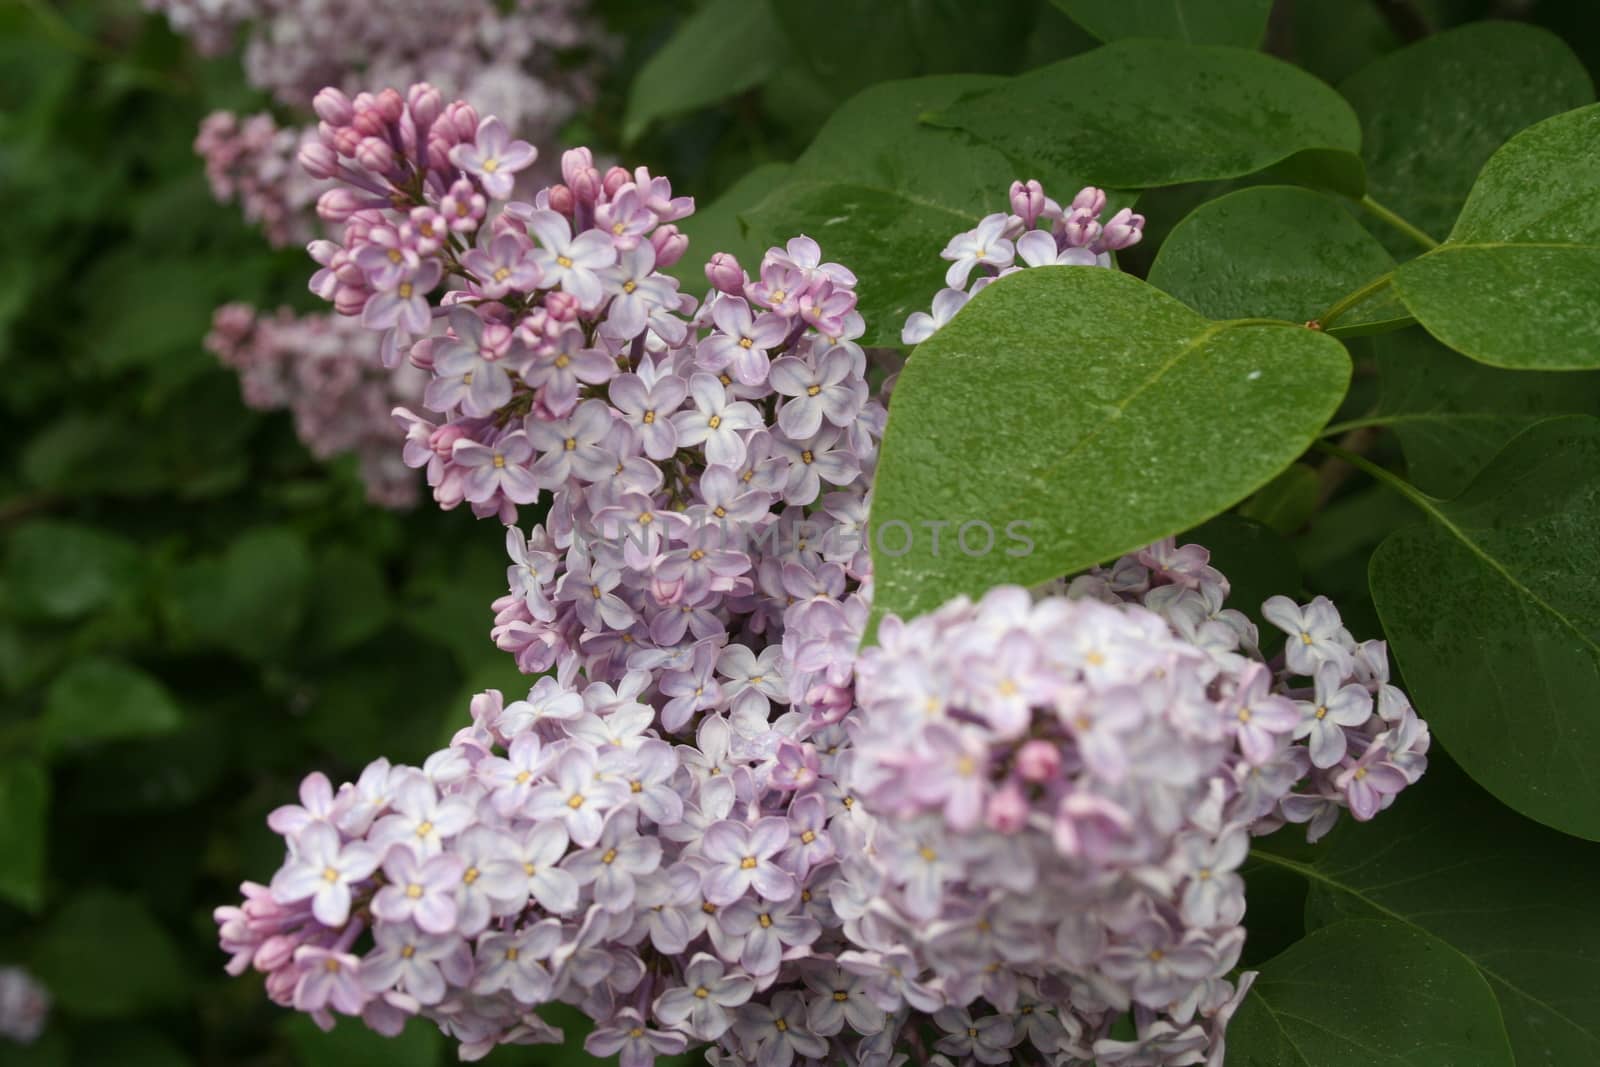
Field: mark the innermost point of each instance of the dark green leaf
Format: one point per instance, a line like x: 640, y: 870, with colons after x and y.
x: 1511, y: 897
x: 349, y: 600
x: 724, y: 48
x: 104, y: 956
x: 1141, y: 113
x: 99, y: 700
x: 1073, y: 412
x: 1515, y: 284
x: 1452, y: 414
x: 1381, y: 994
x: 1235, y: 22
x: 25, y: 800
x: 1432, y: 113
x: 349, y: 1042
x: 1273, y: 251
x: 1492, y: 609
x: 63, y: 570
x: 252, y: 599
x: 1286, y: 503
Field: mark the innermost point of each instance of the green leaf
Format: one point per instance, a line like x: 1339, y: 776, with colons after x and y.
x: 1272, y: 250
x: 1141, y: 113
x: 64, y: 570
x: 724, y: 48
x: 1074, y: 412
x: 99, y: 700
x: 883, y: 194
x: 349, y: 600
x: 716, y: 227
x: 1452, y: 415
x: 1515, y: 284
x: 1235, y: 22
x: 103, y: 956
x: 850, y: 45
x: 252, y: 599
x: 25, y: 800
x: 1492, y: 610
x: 1286, y: 503
x: 1433, y: 112
x: 1380, y: 994
x: 1511, y: 897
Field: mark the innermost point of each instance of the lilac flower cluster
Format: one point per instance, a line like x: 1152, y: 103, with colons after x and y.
x: 324, y: 370
x: 714, y: 820
x: 24, y: 1006
x: 1062, y: 791
x: 1038, y: 232
x: 253, y: 160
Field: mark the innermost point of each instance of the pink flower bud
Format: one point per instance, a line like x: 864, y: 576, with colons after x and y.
x: 561, y: 200
x: 333, y: 107
x: 375, y: 155
x: 725, y: 274
x: 562, y: 307
x: 391, y: 105
x: 318, y: 160
x: 575, y: 161
x: 1089, y: 201
x: 1123, y: 231
x: 348, y: 300
x: 585, y: 186
x: 274, y: 952
x: 1027, y: 201
x: 443, y: 440
x: 338, y: 204
x: 459, y: 122
x: 426, y: 104
x: 1038, y: 761
x: 1080, y: 230
x: 670, y: 245
x: 1007, y: 810
x: 615, y: 179
x: 496, y: 340
x: 345, y: 141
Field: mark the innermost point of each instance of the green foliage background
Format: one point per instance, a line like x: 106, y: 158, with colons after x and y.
x: 193, y: 613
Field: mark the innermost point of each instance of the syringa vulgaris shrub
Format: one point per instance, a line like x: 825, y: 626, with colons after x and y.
x: 942, y: 632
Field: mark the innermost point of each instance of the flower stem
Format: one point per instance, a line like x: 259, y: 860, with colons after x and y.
x: 1413, y: 232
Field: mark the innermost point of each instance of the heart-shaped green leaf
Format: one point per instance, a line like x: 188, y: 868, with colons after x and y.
x: 1492, y: 609
x: 1433, y: 112
x: 99, y: 700
x: 1273, y: 250
x: 1141, y: 113
x: 1235, y: 22
x: 1515, y: 285
x: 1069, y: 414
x: 1511, y: 897
x: 1381, y: 994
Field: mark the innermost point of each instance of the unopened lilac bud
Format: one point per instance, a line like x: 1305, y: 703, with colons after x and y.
x: 275, y: 951
x: 348, y: 300
x: 496, y: 341
x: 391, y: 105
x: 562, y: 307
x: 333, y: 107
x: 1123, y: 231
x: 375, y: 155
x: 337, y: 204
x: 561, y: 199
x: 1038, y: 761
x: 575, y: 161
x: 1007, y: 810
x: 615, y: 179
x: 459, y: 121
x: 1027, y: 201
x: 725, y: 274
x: 670, y: 245
x: 1089, y: 201
x: 585, y: 186
x: 426, y: 104
x: 345, y: 140
x: 318, y: 160
x: 1080, y: 230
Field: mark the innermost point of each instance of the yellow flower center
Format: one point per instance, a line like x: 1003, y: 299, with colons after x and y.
x: 748, y: 863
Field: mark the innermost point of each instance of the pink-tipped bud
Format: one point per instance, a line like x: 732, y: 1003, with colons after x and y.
x: 345, y: 140
x: 1080, y: 230
x: 1123, y: 231
x: 426, y: 104
x: 1028, y: 201
x: 1038, y: 761
x: 368, y: 121
x: 575, y: 161
x: 460, y: 122
x: 670, y: 245
x: 615, y: 179
x: 274, y: 952
x: 391, y: 105
x: 337, y: 204
x: 496, y: 340
x: 725, y: 274
x: 318, y: 160
x: 350, y: 301
x: 585, y: 186
x: 375, y: 155
x: 333, y: 107
x: 1007, y: 810
x: 443, y: 440
x: 561, y: 200
x: 562, y: 307
x: 1089, y: 201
